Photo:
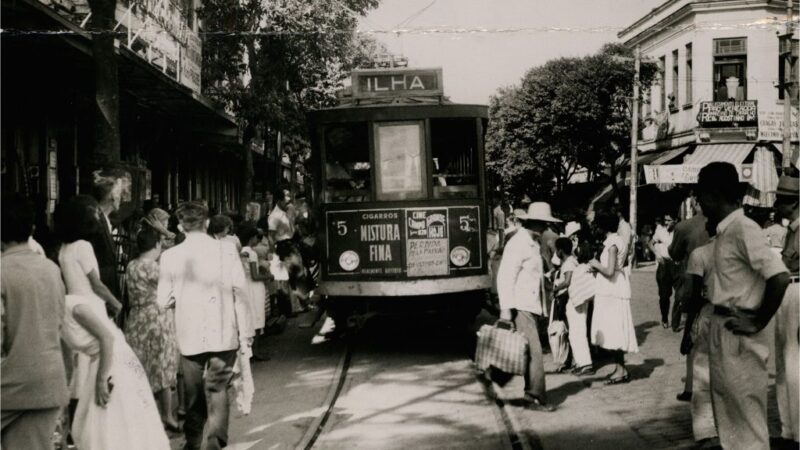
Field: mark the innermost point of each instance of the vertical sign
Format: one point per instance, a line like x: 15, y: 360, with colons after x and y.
x: 365, y: 242
x: 427, y: 245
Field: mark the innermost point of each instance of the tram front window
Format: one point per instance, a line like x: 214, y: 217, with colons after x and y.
x: 399, y: 160
x: 454, y: 148
x: 347, y: 167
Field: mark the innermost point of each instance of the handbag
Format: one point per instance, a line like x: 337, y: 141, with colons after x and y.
x: 503, y: 347
x: 557, y: 335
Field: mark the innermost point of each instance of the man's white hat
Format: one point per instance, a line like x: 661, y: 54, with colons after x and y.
x: 571, y: 228
x: 539, y: 211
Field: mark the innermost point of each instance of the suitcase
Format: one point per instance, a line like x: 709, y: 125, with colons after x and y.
x: 502, y: 347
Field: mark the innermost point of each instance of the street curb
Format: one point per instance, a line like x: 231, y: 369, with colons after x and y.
x: 313, y: 430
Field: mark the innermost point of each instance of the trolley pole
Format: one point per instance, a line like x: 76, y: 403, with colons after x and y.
x: 786, y: 83
x: 635, y: 142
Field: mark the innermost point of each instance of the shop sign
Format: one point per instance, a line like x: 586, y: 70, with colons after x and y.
x: 192, y: 62
x: 728, y: 114
x: 686, y: 173
x: 427, y: 245
x: 396, y: 82
x: 770, y: 124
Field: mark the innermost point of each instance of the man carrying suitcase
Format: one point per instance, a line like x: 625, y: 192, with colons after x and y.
x: 519, y: 282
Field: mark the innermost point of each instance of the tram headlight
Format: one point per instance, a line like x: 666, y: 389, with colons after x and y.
x: 459, y: 256
x: 349, y: 260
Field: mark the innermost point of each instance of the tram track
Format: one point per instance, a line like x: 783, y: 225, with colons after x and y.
x: 512, y: 439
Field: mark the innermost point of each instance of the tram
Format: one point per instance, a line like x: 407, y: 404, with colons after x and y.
x: 401, y: 198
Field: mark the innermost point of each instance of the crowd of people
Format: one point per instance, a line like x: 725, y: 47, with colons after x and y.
x: 107, y: 345
x: 733, y: 278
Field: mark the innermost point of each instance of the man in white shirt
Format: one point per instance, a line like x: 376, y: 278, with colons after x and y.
x: 749, y: 281
x: 665, y: 272
x: 519, y: 287
x: 204, y: 280
x: 280, y: 225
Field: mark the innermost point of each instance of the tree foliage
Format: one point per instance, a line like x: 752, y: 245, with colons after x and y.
x: 568, y: 114
x: 270, y: 61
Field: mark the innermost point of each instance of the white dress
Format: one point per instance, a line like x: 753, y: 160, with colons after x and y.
x: 612, y: 321
x: 257, y: 290
x: 130, y: 420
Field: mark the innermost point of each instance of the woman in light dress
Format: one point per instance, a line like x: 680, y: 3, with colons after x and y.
x: 612, y: 322
x: 115, y: 407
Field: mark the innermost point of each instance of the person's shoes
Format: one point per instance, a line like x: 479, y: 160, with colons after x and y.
x: 563, y: 368
x: 584, y: 370
x: 618, y: 380
x: 664, y: 325
x: 684, y: 396
x: 537, y: 404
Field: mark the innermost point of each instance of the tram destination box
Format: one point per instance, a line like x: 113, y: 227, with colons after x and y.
x: 404, y: 243
x: 371, y: 83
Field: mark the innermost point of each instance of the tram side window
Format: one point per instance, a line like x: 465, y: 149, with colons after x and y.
x: 454, y: 145
x: 347, y: 166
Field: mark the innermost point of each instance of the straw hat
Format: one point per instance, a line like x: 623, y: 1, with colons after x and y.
x: 539, y: 211
x: 571, y: 228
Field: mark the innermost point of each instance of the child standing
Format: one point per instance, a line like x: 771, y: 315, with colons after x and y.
x: 578, y: 284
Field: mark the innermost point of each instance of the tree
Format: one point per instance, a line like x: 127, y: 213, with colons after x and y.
x: 564, y: 115
x: 270, y: 61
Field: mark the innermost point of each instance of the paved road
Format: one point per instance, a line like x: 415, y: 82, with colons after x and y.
x: 411, y: 385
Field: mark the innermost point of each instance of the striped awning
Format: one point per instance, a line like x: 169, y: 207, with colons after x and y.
x: 707, y: 153
x: 686, y: 173
x: 764, y: 183
x: 669, y: 155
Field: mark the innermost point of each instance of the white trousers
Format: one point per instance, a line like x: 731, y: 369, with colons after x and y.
x: 703, y: 425
x: 578, y: 340
x: 738, y: 366
x: 787, y: 366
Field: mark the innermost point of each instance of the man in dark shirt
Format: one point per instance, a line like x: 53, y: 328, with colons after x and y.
x: 34, y: 381
x: 107, y: 190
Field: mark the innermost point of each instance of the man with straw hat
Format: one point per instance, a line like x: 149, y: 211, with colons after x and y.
x: 519, y: 286
x: 787, y: 328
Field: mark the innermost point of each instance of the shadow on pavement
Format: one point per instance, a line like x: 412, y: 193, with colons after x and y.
x: 643, y: 330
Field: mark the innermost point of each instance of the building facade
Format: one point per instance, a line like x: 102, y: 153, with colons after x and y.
x: 715, y: 95
x: 174, y: 143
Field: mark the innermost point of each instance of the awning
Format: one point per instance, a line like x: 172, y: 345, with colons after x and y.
x: 669, y: 155
x: 762, y: 187
x: 686, y: 173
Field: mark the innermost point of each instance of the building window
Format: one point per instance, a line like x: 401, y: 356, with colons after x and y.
x: 688, y: 73
x: 730, y: 69
x: 662, y: 91
x: 673, y: 98
x: 782, y: 69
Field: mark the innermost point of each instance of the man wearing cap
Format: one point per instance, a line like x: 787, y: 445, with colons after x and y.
x: 203, y: 279
x: 787, y: 330
x: 749, y: 281
x: 519, y: 286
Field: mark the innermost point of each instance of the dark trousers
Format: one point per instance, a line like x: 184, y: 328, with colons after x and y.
x: 664, y: 279
x: 525, y: 322
x: 206, y: 399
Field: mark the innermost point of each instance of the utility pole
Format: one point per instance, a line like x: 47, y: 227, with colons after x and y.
x: 635, y: 140
x: 785, y: 44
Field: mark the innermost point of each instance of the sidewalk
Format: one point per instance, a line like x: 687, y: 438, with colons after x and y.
x: 641, y: 414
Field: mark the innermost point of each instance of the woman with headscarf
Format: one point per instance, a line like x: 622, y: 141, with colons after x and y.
x: 158, y: 220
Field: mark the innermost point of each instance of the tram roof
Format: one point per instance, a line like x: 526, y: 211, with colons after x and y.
x: 398, y: 110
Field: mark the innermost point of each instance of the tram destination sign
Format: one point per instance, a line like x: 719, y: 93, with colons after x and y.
x: 728, y: 114
x: 372, y: 83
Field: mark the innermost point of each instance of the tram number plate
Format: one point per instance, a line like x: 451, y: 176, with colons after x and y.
x: 427, y: 244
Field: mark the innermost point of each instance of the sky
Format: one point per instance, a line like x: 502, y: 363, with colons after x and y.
x: 483, y: 45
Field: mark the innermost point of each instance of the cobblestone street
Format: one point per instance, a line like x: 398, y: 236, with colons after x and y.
x: 641, y: 414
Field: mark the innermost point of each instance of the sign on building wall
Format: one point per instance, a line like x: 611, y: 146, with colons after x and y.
x: 728, y: 114
x: 770, y: 124
x: 686, y: 173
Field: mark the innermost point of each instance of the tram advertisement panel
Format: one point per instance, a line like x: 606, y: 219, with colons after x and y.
x: 427, y: 244
x: 403, y: 242
x: 367, y: 242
